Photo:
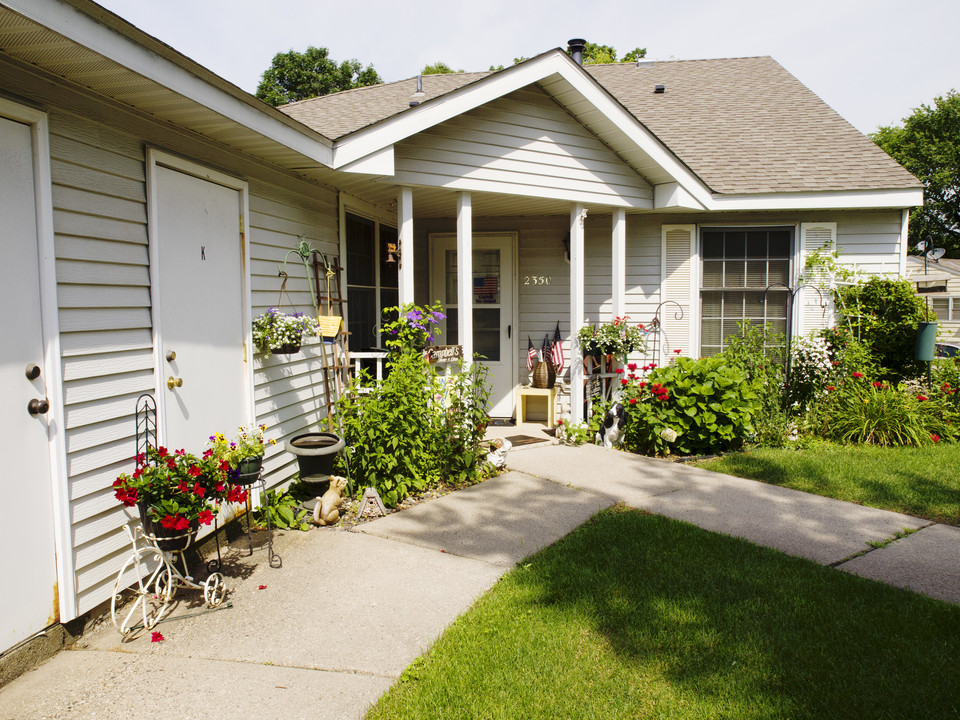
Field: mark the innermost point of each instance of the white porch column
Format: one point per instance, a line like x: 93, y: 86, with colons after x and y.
x: 465, y: 274
x: 577, y: 215
x: 619, y: 269
x: 405, y: 221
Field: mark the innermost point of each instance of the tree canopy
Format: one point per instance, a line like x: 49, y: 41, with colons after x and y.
x: 296, y: 76
x: 928, y: 145
x: 594, y: 54
x: 438, y: 68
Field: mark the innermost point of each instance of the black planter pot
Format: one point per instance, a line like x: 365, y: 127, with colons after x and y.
x: 315, y: 453
x: 288, y: 349
x: 167, y: 539
x: 248, y: 471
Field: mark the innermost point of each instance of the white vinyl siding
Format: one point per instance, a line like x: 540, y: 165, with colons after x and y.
x: 521, y: 144
x: 103, y: 279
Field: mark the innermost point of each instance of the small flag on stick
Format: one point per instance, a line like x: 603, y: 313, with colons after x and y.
x: 545, y: 348
x: 531, y: 354
x: 556, y: 352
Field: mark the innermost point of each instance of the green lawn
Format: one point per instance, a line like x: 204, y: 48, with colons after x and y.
x: 924, y: 482
x: 638, y: 616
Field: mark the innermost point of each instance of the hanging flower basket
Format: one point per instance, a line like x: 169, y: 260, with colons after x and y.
x: 168, y: 539
x: 287, y: 349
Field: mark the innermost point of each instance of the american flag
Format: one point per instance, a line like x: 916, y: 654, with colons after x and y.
x: 531, y: 354
x: 556, y: 351
x: 545, y: 348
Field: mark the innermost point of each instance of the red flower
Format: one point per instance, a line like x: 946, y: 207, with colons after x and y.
x: 194, y: 471
x: 156, y: 637
x: 835, y: 363
x: 633, y: 401
x: 560, y: 421
x: 624, y: 381
x: 182, y: 523
x: 205, y: 517
x: 830, y: 388
x: 619, y: 371
x: 161, y: 451
x: 262, y: 587
x: 169, y: 522
x: 921, y: 398
x: 877, y: 384
x: 199, y: 490
x: 183, y: 487
x: 857, y: 375
x: 633, y: 366
x: 171, y: 463
x: 935, y: 438
x: 643, y: 384
x: 677, y: 351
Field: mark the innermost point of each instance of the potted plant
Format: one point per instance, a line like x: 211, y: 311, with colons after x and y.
x: 243, y: 456
x: 278, y: 332
x: 618, y: 338
x: 175, y: 493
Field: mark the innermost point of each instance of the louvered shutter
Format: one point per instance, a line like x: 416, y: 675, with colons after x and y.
x: 809, y: 312
x: 679, y: 273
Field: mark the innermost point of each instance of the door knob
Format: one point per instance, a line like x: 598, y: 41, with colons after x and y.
x: 171, y: 356
x: 33, y: 371
x: 38, y: 407
x: 173, y: 382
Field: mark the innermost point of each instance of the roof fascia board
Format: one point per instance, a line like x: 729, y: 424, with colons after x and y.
x: 84, y: 30
x: 854, y: 199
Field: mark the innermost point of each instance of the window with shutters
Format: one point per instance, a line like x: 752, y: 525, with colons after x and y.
x: 371, y: 282
x: 737, y: 265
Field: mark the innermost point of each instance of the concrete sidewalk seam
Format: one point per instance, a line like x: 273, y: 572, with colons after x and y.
x: 881, y: 544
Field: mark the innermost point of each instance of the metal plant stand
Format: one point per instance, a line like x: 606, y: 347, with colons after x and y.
x: 273, y: 558
x: 155, y: 588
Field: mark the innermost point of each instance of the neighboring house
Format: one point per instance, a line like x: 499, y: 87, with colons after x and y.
x: 148, y: 202
x: 945, y: 304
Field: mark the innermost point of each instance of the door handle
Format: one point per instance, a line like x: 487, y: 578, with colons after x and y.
x: 173, y: 382
x: 509, y: 328
x: 38, y: 407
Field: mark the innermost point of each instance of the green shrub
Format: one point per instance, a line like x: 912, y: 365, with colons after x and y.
x: 709, y: 403
x: 413, y: 429
x: 884, y: 314
x: 858, y: 410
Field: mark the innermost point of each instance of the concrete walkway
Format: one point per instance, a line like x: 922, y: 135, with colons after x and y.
x: 329, y: 632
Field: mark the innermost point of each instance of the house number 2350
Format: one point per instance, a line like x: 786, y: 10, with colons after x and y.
x: 537, y: 279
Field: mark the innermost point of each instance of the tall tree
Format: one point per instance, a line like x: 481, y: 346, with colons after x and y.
x: 296, y: 76
x: 928, y: 145
x: 594, y: 54
x: 438, y: 68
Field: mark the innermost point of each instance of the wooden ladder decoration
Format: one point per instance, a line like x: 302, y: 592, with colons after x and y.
x: 335, y: 351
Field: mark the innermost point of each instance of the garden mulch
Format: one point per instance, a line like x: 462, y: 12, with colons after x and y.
x: 352, y: 606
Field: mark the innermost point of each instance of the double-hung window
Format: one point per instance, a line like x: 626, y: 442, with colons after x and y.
x: 744, y: 277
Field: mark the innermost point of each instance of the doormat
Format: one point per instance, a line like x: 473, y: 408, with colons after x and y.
x: 518, y: 440
x: 500, y: 422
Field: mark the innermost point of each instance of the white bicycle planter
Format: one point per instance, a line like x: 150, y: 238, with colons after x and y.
x: 157, y: 582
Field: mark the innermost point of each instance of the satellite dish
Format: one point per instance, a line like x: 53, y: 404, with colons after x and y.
x: 922, y: 245
x: 936, y: 253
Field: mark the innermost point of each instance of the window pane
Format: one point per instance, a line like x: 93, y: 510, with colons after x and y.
x: 736, y: 275
x: 733, y: 304
x: 710, y: 304
x: 780, y: 243
x: 363, y: 318
x: 736, y: 244
x: 712, y: 273
x: 711, y: 332
x: 453, y: 331
x: 779, y: 271
x: 757, y: 274
x: 712, y: 244
x: 757, y: 243
x: 941, y: 306
x: 361, y: 260
x: 486, y: 333
x: 776, y: 304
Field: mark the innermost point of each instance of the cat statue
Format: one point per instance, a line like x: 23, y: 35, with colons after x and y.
x: 326, y: 511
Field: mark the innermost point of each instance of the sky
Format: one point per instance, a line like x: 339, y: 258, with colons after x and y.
x: 873, y: 61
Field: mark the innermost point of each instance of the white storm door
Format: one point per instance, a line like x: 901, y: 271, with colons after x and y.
x: 199, y: 252
x: 29, y: 601
x: 493, y: 308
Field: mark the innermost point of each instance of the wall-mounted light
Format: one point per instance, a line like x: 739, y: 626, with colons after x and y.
x: 566, y: 247
x: 393, y: 253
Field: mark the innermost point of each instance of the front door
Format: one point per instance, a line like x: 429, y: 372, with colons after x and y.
x: 199, y: 251
x: 29, y: 600
x: 493, y: 307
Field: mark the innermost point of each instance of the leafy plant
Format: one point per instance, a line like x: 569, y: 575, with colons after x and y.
x: 884, y: 314
x: 573, y: 433
x: 689, y: 407
x: 413, y: 327
x: 875, y: 412
x: 177, y: 488
x: 283, y: 509
x: 248, y: 443
x: 618, y: 338
x: 466, y: 398
x: 273, y: 329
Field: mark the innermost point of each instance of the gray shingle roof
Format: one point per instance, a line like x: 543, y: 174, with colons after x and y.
x: 743, y: 125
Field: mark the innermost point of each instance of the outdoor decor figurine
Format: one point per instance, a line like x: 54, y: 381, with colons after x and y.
x: 498, y: 452
x: 609, y: 433
x: 326, y: 512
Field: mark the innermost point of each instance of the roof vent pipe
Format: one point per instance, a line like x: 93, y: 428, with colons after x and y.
x: 418, y: 95
x: 659, y: 89
x: 576, y: 48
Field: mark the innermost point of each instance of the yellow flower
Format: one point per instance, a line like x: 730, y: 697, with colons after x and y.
x: 272, y: 441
